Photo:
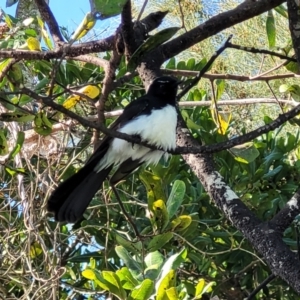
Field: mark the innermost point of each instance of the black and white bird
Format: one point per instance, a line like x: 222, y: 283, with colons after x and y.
x: 153, y: 118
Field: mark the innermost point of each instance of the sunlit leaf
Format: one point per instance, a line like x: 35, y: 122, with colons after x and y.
x: 245, y: 153
x: 91, y: 91
x: 33, y: 44
x: 167, y: 282
x: 143, y: 291
x: 127, y: 280
x: 89, y: 274
x: 84, y: 27
x: 114, y: 284
x: 199, y: 287
x: 172, y: 294
x: 109, y: 8
x: 181, y: 223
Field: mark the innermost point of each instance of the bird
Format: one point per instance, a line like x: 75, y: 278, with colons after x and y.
x: 153, y: 119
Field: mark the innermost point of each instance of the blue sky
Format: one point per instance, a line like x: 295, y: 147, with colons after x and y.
x: 69, y: 13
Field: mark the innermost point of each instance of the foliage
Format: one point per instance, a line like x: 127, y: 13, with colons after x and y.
x: 185, y: 249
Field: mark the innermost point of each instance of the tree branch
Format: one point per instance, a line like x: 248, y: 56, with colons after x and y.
x: 267, y: 241
x: 49, y: 18
x: 246, y: 10
x: 287, y: 214
x: 294, y: 11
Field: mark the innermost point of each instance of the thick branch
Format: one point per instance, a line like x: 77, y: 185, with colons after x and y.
x: 142, y: 27
x: 264, y: 239
x: 287, y: 214
x: 244, y: 11
x: 127, y: 30
x: 49, y: 18
x: 294, y: 22
x: 241, y: 139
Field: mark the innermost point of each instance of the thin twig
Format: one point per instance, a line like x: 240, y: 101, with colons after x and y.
x: 261, y: 286
x: 127, y: 217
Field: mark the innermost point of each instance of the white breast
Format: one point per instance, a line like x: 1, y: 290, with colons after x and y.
x: 158, y: 128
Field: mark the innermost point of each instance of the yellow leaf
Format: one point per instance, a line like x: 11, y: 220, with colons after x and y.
x: 85, y: 26
x: 222, y: 119
x: 89, y: 274
x: 35, y: 250
x: 90, y: 91
x: 161, y: 214
x: 181, y: 223
x: 199, y: 288
x: 33, y: 44
x: 167, y: 283
x: 172, y: 293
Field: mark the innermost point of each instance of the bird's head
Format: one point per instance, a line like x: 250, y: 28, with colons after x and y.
x: 164, y: 87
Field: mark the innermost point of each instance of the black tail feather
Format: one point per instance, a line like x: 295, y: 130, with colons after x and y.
x: 71, y: 198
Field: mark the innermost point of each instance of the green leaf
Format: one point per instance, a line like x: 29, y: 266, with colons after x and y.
x: 135, y: 247
x: 3, y: 143
x: 292, y: 67
x: 220, y: 88
x: 133, y: 266
x: 176, y: 197
x: 272, y: 173
x: 144, y: 291
x: 292, y: 89
x: 14, y: 171
x: 245, y: 153
x: 18, y: 146
x: 172, y: 263
x: 16, y: 117
x: 109, y: 8
x: 271, y: 30
x: 127, y: 280
x: 281, y: 9
x: 167, y: 282
x: 181, y: 223
x: 42, y: 125
x: 151, y: 43
x: 114, y: 284
x: 154, y: 258
x: 86, y: 257
x: 171, y: 64
x: 172, y: 294
x: 154, y: 261
x: 35, y: 250
x: 160, y: 214
x: 15, y: 73
x: 159, y: 241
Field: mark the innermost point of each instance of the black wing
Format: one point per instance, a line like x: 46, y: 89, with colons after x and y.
x: 72, y: 197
